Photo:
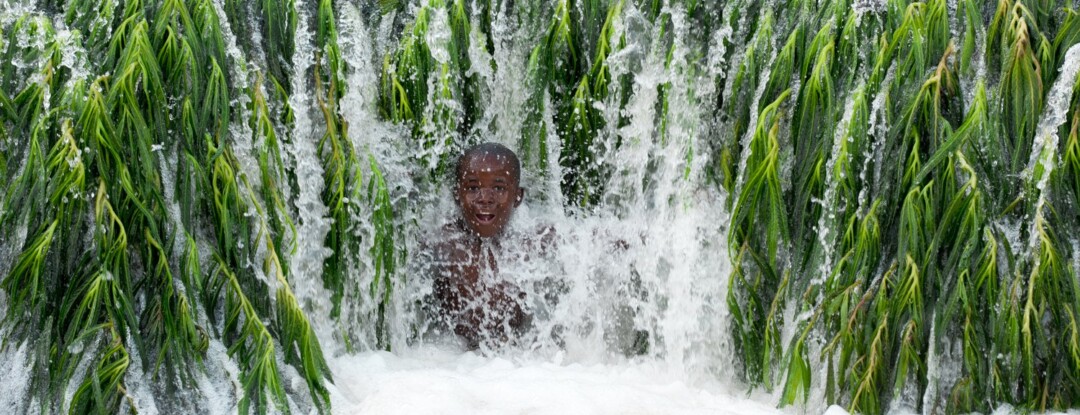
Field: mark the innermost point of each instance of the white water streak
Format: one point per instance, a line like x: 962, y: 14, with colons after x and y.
x: 751, y: 127
x: 1045, y: 144
x: 507, y: 83
x: 879, y: 134
x: 16, y: 367
x: 239, y: 132
x: 828, y: 201
x: 139, y: 396
x: 307, y: 264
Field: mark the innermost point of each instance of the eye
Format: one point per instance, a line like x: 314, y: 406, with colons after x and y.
x: 500, y: 188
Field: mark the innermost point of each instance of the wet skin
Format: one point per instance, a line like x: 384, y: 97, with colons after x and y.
x: 487, y: 192
x: 481, y: 310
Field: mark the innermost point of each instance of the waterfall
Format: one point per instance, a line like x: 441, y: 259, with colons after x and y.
x: 221, y: 206
x: 1046, y: 140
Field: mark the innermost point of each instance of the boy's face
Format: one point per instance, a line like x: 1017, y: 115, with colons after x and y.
x: 487, y: 193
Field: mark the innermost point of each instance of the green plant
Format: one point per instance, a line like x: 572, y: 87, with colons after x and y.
x: 902, y: 176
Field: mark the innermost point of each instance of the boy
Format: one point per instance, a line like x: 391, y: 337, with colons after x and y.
x: 469, y: 296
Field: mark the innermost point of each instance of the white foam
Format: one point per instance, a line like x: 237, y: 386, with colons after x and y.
x: 431, y: 380
x: 16, y: 369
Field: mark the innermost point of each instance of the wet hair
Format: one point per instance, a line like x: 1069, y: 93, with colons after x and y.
x: 495, y: 149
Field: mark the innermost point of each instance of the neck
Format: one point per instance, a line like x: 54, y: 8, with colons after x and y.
x: 474, y: 237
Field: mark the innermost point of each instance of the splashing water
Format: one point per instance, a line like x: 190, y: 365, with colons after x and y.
x: 642, y: 275
x: 658, y: 276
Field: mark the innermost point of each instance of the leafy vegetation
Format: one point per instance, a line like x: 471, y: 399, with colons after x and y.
x: 901, y: 176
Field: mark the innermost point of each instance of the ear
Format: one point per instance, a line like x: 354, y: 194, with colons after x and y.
x: 520, y: 197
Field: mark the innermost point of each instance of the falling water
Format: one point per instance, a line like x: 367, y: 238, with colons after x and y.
x: 1046, y: 137
x: 641, y: 275
x: 657, y: 197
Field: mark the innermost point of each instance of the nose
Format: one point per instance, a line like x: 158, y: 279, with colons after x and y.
x: 485, y: 195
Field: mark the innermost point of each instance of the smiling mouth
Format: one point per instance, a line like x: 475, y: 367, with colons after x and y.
x: 485, y: 217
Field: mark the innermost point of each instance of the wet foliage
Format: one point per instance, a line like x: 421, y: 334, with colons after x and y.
x: 902, y: 180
